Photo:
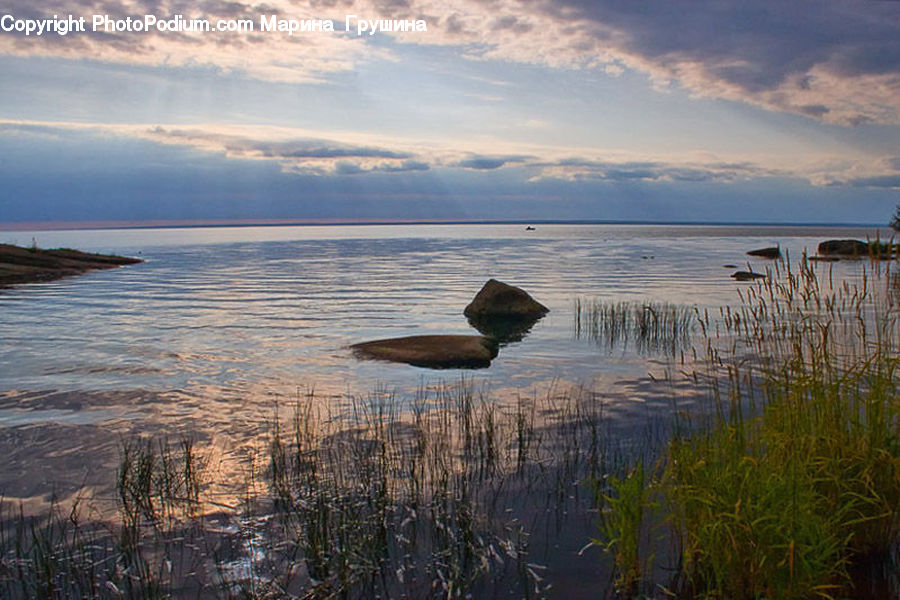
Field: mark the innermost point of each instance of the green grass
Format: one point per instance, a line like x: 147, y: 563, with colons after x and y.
x: 794, y: 476
x: 785, y: 484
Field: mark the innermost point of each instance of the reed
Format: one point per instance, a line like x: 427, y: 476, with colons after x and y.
x: 374, y: 499
x: 793, y: 478
x: 449, y: 493
x: 649, y: 327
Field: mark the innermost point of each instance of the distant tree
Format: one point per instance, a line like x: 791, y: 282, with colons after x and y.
x: 895, y: 221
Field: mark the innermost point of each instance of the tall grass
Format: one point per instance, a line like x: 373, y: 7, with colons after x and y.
x: 451, y: 493
x: 651, y: 327
x: 69, y: 554
x: 381, y: 501
x: 794, y: 477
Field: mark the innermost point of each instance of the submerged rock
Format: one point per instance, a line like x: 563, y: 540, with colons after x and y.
x: 773, y: 252
x: 498, y: 299
x: 747, y: 275
x: 844, y: 248
x: 432, y: 351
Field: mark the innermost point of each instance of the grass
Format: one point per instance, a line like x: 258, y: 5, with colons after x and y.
x: 651, y: 327
x: 883, y: 250
x: 793, y: 479
x: 784, y: 485
x: 388, y: 502
x: 66, y: 554
x: 446, y: 494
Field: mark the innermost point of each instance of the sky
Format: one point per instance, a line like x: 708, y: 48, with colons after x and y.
x: 636, y: 110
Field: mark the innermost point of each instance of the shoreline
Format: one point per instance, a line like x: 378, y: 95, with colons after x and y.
x: 20, y: 265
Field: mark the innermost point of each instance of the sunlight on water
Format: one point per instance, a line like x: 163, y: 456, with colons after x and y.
x: 219, y: 324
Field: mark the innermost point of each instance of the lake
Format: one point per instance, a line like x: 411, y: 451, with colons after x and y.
x: 219, y: 325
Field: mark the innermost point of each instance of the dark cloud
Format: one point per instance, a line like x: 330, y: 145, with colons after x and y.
x: 405, y: 166
x: 489, y: 163
x: 581, y: 169
x: 832, y: 60
x: 780, y: 54
x: 316, y: 150
x: 310, y: 156
x: 883, y: 181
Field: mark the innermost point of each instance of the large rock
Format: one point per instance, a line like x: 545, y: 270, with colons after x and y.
x: 498, y: 299
x: 844, y: 248
x: 432, y: 351
x: 773, y: 252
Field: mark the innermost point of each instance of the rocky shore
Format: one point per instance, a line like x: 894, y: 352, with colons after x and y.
x: 30, y: 265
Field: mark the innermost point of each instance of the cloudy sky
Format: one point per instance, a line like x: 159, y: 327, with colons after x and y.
x: 708, y: 110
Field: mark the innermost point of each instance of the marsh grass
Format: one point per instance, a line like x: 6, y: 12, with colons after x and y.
x: 71, y: 552
x: 793, y: 479
x: 447, y: 494
x: 650, y: 327
x: 427, y: 502
x: 883, y: 250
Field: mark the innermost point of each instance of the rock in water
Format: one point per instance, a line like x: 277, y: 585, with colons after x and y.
x: 774, y: 252
x: 747, y: 275
x: 844, y: 248
x: 506, y: 330
x: 498, y: 299
x: 432, y: 351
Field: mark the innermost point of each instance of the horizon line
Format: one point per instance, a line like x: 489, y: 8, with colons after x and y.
x: 326, y: 222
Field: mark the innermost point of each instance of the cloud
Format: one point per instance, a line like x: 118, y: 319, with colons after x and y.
x: 489, y: 163
x: 831, y: 60
x: 267, y: 56
x: 344, y: 154
x: 872, y: 173
x: 297, y: 154
x: 582, y: 169
x: 883, y: 181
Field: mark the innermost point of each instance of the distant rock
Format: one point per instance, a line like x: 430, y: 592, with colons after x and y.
x: 844, y: 248
x: 432, y: 351
x: 498, y: 299
x: 823, y: 258
x: 773, y: 252
x: 29, y: 265
x: 747, y: 275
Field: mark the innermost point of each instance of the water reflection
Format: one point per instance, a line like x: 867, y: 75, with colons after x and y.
x: 506, y: 330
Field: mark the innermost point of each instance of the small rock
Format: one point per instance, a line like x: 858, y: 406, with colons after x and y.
x: 773, y: 252
x: 747, y: 275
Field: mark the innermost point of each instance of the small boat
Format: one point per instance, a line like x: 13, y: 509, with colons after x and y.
x: 529, y: 228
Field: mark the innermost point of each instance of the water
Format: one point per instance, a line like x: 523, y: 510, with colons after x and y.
x: 220, y: 323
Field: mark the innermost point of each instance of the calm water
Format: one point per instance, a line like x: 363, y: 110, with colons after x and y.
x: 218, y: 323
